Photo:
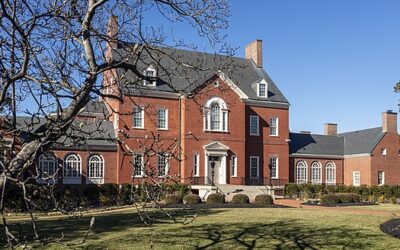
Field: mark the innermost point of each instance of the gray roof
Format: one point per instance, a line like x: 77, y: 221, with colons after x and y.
x: 315, y: 144
x: 95, y: 108
x: 175, y: 77
x: 362, y: 141
x: 83, y: 134
x: 351, y: 143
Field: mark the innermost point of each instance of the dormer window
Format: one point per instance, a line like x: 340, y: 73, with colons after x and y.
x: 262, y: 90
x: 150, y: 72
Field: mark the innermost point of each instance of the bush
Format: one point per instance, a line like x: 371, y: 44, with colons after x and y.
x: 192, y: 199
x: 263, y: 200
x: 216, y: 199
x: 108, y: 194
x: 240, y: 199
x: 344, y: 198
x: 173, y: 199
x: 329, y: 199
x: 355, y: 197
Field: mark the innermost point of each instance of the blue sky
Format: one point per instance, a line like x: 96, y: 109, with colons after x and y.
x: 336, y: 61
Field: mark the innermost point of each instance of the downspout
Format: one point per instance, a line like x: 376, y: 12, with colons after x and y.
x: 179, y: 136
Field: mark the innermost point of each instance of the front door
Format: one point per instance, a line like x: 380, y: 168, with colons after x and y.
x: 217, y: 169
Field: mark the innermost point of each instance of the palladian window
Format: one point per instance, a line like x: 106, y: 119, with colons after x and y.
x: 216, y: 115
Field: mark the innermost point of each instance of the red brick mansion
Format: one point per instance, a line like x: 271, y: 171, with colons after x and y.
x: 235, y: 119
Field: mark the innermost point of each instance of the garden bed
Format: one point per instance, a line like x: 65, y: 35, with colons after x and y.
x: 223, y: 205
x: 340, y: 204
x: 391, y: 228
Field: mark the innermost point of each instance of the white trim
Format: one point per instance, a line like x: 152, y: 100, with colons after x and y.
x: 152, y: 83
x: 295, y: 155
x: 258, y: 125
x: 262, y: 82
x: 277, y: 166
x: 258, y: 166
x: 73, y: 180
x: 383, y: 178
x: 383, y: 151
x: 142, y: 117
x: 318, y: 166
x: 306, y: 173
x: 357, y: 155
x: 276, y: 126
x: 354, y: 178
x: 196, y: 165
x: 326, y: 173
x: 221, y: 153
x: 232, y: 85
x: 223, y: 112
x: 142, y: 166
x: 95, y: 180
x: 234, y: 167
x: 166, y: 119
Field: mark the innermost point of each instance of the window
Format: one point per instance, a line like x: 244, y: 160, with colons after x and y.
x: 138, y: 166
x: 216, y: 115
x: 96, y: 169
x: 196, y: 166
x: 254, y: 125
x: 162, y: 165
x: 316, y: 173
x: 274, y: 167
x: 47, y: 165
x: 301, y: 172
x: 262, y: 90
x: 273, y: 126
x: 72, y: 169
x: 381, y: 178
x: 356, y: 178
x: 330, y: 169
x: 383, y: 151
x: 138, y: 115
x: 254, y: 166
x: 150, y: 72
x: 234, y: 165
x: 162, y: 122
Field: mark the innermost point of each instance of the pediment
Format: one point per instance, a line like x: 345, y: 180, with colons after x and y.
x: 216, y: 146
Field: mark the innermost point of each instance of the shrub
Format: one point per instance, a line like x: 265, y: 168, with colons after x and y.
x: 108, y: 194
x: 329, y: 199
x: 173, y: 199
x: 355, y: 197
x: 263, y: 200
x: 240, y: 199
x: 344, y: 198
x: 192, y: 199
x: 216, y: 199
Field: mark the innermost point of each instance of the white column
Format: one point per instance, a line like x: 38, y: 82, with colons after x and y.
x: 206, y: 168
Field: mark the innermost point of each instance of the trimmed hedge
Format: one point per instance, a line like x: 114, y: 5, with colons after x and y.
x: 263, y: 200
x: 384, y: 193
x: 240, y: 199
x: 192, y: 199
x: 216, y: 199
x: 173, y: 199
x: 329, y: 199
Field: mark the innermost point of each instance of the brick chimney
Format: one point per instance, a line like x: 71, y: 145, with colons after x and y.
x: 254, y: 51
x: 330, y: 129
x: 389, y: 121
x: 112, y: 36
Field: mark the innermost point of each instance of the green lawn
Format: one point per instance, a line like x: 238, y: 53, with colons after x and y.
x: 380, y: 207
x: 244, y: 228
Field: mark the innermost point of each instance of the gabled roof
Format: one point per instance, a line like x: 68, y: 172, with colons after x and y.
x: 95, y: 108
x: 202, y: 66
x: 311, y: 144
x: 362, y: 141
x: 216, y: 146
x: 351, y: 143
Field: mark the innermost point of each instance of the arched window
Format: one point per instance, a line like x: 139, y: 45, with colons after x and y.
x: 72, y: 169
x: 330, y: 169
x: 301, y: 172
x: 47, y: 166
x: 316, y: 173
x: 216, y: 115
x: 96, y: 169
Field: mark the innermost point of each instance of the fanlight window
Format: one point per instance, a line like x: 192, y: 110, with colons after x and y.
x: 47, y: 165
x: 96, y: 167
x: 316, y: 173
x: 72, y: 166
x: 301, y: 172
x: 216, y: 115
x: 330, y: 173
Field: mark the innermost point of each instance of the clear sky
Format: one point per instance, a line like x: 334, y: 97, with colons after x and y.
x: 336, y: 61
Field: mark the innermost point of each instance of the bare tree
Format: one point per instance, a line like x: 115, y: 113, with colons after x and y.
x: 52, y: 57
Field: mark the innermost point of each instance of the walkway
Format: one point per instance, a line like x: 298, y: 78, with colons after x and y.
x: 351, y: 210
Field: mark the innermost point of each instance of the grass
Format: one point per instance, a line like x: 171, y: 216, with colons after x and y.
x: 380, y: 207
x: 244, y: 228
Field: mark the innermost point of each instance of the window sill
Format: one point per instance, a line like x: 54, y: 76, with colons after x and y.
x: 235, y: 176
x: 215, y: 131
x: 274, y: 135
x: 138, y: 128
x: 162, y: 129
x: 254, y: 134
x: 138, y: 177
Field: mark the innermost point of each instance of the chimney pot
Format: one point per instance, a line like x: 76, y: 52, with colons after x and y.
x: 330, y: 129
x: 254, y: 51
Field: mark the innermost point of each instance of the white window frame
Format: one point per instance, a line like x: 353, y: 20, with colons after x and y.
x: 196, y: 165
x: 141, y: 175
x: 263, y: 82
x: 166, y: 119
x: 135, y: 109
x: 166, y: 165
x: 316, y: 166
x: 51, y: 161
x: 305, y: 168
x: 383, y: 151
x: 330, y: 166
x: 78, y: 162
x: 223, y: 115
x: 154, y: 74
x: 383, y: 178
x: 354, y: 178
x: 234, y: 165
x: 276, y: 119
x: 257, y: 125
x: 258, y: 167
x: 96, y: 179
x: 276, y: 176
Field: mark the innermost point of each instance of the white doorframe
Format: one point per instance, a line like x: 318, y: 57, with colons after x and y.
x: 222, y: 167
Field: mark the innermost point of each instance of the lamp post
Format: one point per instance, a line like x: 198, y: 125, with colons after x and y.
x: 212, y: 172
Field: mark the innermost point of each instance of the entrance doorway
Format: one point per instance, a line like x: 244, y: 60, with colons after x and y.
x: 218, y: 173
